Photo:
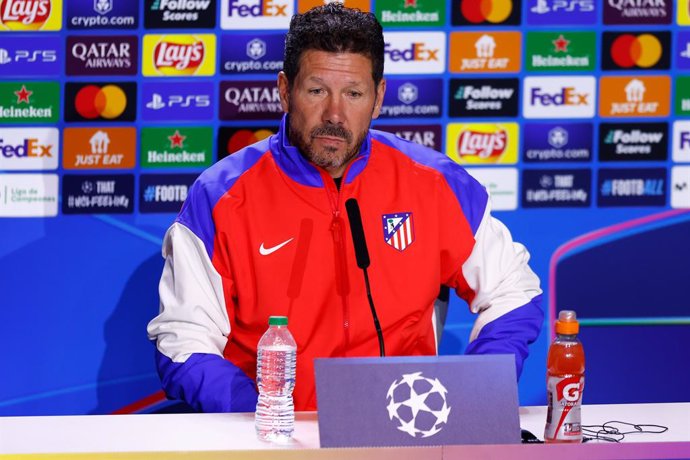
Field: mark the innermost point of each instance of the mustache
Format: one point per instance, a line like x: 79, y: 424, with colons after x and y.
x: 332, y: 131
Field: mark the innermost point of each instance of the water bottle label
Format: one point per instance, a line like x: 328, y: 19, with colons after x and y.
x: 563, y: 420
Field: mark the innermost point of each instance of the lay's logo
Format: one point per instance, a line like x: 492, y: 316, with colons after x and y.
x: 256, y: 14
x: 179, y: 55
x: 482, y: 143
x: 423, y: 52
x: 30, y: 15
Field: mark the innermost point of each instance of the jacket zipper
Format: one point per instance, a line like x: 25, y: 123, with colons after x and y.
x: 337, y: 232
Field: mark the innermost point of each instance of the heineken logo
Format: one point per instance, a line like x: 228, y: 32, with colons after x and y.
x: 178, y: 147
x: 23, y: 95
x: 560, y: 51
x: 410, y: 13
x: 29, y: 102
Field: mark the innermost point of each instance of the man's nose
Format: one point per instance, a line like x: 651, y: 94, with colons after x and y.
x: 333, y: 111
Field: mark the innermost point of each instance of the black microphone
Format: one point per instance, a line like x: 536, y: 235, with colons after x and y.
x: 362, y: 256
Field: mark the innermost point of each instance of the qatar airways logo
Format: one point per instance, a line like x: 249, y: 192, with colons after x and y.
x: 250, y: 100
x: 423, y: 52
x: 256, y: 14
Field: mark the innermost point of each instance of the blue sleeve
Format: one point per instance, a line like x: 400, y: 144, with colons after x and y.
x: 208, y: 383
x: 511, y: 333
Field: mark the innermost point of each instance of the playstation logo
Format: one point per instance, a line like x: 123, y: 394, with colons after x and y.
x: 686, y: 52
x: 156, y: 102
x: 102, y: 6
x: 4, y: 56
x: 256, y: 49
x: 541, y: 7
x: 407, y: 93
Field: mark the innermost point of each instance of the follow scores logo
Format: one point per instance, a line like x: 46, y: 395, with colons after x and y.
x: 30, y: 15
x: 179, y: 55
x: 422, y: 52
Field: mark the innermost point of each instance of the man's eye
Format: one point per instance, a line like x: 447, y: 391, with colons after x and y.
x: 355, y: 94
x: 316, y: 91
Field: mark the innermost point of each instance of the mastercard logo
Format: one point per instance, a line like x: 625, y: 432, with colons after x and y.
x: 108, y: 102
x: 629, y: 50
x: 245, y: 137
x: 493, y: 11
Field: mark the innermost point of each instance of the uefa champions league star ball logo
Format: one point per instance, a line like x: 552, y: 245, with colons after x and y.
x: 418, y: 405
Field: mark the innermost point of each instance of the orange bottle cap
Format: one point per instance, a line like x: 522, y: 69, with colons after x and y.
x: 567, y: 323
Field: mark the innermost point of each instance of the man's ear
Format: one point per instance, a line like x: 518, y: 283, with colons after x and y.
x: 380, y: 92
x: 284, y: 90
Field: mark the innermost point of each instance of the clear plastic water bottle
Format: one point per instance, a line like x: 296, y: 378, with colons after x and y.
x: 275, y: 377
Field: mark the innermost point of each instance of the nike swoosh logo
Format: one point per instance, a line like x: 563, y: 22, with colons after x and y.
x: 266, y: 251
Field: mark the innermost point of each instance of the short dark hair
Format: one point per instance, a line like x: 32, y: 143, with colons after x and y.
x: 336, y: 29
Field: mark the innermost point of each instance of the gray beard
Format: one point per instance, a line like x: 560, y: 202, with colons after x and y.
x: 326, y: 158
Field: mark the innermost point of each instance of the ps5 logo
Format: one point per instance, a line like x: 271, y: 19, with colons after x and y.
x: 157, y: 101
x: 6, y: 56
x: 567, y: 6
x: 102, y: 6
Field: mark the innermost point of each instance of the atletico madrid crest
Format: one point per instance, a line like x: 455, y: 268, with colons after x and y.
x: 398, y: 230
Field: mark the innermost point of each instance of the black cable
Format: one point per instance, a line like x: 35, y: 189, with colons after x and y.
x: 608, y: 432
x: 377, y: 325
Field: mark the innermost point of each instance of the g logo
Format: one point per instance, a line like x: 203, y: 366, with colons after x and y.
x: 571, y: 392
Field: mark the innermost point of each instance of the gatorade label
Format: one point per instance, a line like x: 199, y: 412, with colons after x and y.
x: 563, y: 420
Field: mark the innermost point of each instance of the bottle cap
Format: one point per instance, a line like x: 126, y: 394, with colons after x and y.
x: 277, y: 321
x: 567, y: 323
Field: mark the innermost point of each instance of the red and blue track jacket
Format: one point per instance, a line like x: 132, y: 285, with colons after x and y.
x: 265, y: 232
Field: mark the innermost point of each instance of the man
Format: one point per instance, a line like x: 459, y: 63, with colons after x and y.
x: 264, y: 232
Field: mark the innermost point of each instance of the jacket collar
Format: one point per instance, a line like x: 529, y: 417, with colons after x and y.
x: 299, y: 169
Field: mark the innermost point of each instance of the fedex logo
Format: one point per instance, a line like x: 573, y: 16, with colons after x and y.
x: 567, y: 96
x: 254, y: 9
x: 416, y: 52
x: 681, y: 141
x: 262, y: 14
x: 551, y: 97
x: 28, y: 148
x: 403, y: 55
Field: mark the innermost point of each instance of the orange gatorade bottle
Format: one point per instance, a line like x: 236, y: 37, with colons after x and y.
x: 565, y: 381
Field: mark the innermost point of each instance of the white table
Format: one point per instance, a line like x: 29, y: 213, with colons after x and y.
x: 221, y: 435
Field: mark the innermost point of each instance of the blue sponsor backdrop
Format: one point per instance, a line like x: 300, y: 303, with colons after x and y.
x: 31, y: 57
x: 78, y: 289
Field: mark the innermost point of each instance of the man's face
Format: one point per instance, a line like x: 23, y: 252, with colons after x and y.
x: 331, y: 104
